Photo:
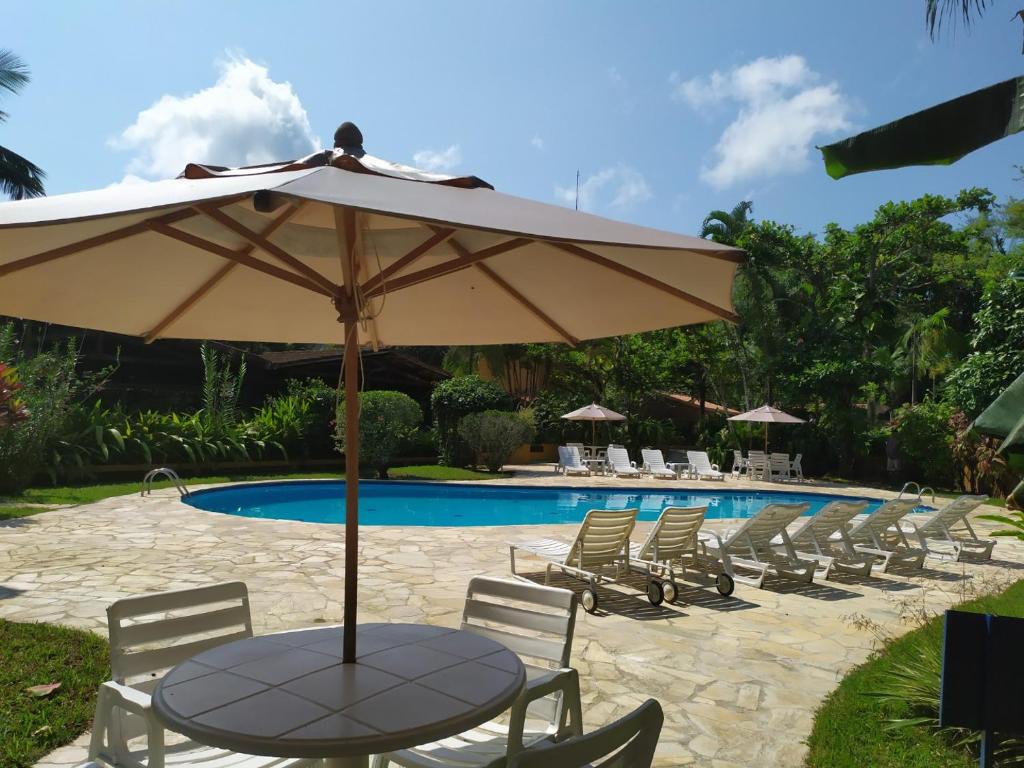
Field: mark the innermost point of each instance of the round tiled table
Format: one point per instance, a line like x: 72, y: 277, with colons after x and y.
x: 289, y: 695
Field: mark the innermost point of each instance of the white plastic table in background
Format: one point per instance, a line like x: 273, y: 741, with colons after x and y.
x: 289, y: 695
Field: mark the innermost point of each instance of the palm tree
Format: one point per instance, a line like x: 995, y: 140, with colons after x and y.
x: 937, y: 11
x: 726, y: 227
x: 929, y: 347
x: 19, y: 178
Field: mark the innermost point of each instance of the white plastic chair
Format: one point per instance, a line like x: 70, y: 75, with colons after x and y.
x: 569, y: 461
x: 619, y: 463
x: 778, y: 467
x: 947, y: 534
x: 654, y: 464
x: 880, y: 535
x: 149, y: 634
x: 701, y: 466
x: 796, y: 471
x: 537, y: 623
x: 757, y: 465
x: 629, y: 742
x: 824, y: 538
x: 740, y: 465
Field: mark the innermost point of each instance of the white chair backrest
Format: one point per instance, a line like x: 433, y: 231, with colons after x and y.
x: 577, y: 446
x: 737, y: 457
x: 653, y: 458
x: 533, y: 621
x: 780, y: 461
x: 568, y: 456
x: 618, y: 458
x: 699, y: 460
x: 149, y: 634
x: 757, y: 458
x: 953, y: 512
x: 757, y: 532
x: 883, y: 518
x: 674, y: 535
x: 831, y: 518
x: 603, y: 538
x: 629, y: 742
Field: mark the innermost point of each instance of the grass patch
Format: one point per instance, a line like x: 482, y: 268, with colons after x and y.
x: 849, y: 727
x: 73, y: 495
x: 36, y: 654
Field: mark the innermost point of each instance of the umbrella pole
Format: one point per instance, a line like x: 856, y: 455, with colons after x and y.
x: 593, y: 434
x: 766, y: 437
x: 351, y: 490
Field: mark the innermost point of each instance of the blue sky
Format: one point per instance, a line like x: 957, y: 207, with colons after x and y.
x: 667, y: 109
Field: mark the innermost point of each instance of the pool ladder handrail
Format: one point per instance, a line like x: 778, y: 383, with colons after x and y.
x: 920, y: 490
x: 170, y: 474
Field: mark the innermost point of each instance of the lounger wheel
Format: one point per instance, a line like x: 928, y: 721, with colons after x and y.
x: 725, y: 584
x: 589, y: 600
x: 655, y: 593
x: 670, y: 591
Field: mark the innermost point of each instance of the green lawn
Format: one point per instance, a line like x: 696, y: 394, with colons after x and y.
x: 849, y: 726
x: 38, y: 654
x: 85, y: 494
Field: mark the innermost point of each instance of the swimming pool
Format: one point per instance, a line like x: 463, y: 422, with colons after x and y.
x: 383, y: 502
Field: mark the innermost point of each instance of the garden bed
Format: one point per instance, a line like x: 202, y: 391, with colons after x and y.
x: 850, y: 726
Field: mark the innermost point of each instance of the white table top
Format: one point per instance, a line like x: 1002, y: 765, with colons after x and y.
x: 289, y: 695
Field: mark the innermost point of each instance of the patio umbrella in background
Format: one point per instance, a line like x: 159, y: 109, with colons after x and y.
x: 594, y: 413
x: 939, y: 135
x: 345, y: 247
x: 768, y: 415
x: 1005, y: 417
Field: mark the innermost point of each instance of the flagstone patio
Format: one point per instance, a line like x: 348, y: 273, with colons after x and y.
x: 739, y: 678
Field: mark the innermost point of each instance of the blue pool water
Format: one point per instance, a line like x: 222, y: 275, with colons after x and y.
x: 405, y: 503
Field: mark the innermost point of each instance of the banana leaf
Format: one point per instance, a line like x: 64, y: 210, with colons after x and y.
x: 939, y: 135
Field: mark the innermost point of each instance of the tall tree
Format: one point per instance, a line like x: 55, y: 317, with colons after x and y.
x: 19, y: 178
x: 954, y: 11
x: 727, y: 226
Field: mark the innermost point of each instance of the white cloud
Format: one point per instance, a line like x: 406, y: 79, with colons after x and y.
x: 245, y: 118
x: 438, y: 160
x: 537, y: 142
x: 783, y: 106
x: 617, y: 187
x: 615, y: 77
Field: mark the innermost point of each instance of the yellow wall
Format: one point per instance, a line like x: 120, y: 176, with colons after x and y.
x: 523, y: 455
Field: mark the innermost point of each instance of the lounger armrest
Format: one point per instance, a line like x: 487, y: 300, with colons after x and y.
x: 715, y: 467
x: 565, y: 681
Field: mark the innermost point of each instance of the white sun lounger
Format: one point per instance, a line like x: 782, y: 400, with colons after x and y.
x: 947, y: 534
x: 654, y: 463
x: 619, y: 463
x: 823, y: 537
x: 750, y: 547
x: 701, y: 466
x: 879, y: 534
x: 672, y: 543
x: 600, y: 552
x: 569, y: 461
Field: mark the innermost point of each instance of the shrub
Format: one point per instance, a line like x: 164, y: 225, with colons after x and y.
x: 493, y: 436
x: 387, y: 422
x: 926, y: 442
x: 455, y: 398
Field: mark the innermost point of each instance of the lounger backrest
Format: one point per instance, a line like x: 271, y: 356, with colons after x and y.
x: 149, y: 634
x: 618, y: 458
x: 953, y: 513
x: 569, y: 457
x: 831, y: 518
x: 603, y: 538
x: 674, y: 534
x: 758, y: 531
x: 882, y: 519
x: 699, y: 460
x: 533, y: 621
x: 653, y: 458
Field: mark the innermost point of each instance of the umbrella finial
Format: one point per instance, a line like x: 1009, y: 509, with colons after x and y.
x: 349, y: 138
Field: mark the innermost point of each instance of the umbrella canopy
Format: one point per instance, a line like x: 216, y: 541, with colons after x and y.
x: 939, y: 135
x: 286, y: 252
x: 768, y: 415
x: 1005, y: 417
x: 594, y: 413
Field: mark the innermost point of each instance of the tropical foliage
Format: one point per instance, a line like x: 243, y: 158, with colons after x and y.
x: 454, y: 398
x: 387, y: 423
x: 493, y: 436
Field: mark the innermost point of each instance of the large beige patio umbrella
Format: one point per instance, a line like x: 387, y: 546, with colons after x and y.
x: 593, y: 413
x: 286, y: 253
x: 767, y: 415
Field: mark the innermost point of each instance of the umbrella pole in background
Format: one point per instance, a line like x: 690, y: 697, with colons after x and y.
x: 766, y: 437
x: 345, y: 227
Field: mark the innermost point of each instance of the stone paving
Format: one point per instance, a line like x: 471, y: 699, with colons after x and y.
x: 739, y: 678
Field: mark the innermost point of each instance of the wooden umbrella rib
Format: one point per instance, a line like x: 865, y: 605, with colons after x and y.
x: 529, y: 305
x: 260, y: 241
x: 448, y: 267
x: 243, y: 259
x: 654, y: 282
x: 219, y: 275
x: 92, y: 242
x: 439, y: 236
